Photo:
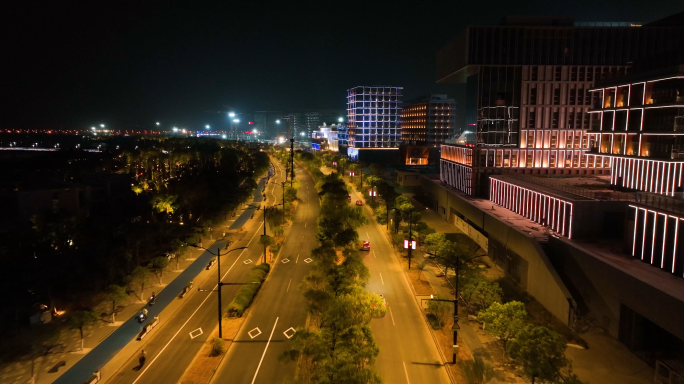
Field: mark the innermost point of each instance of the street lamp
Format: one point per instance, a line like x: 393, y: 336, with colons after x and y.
x: 157, y: 123
x: 340, y: 119
x: 220, y: 284
x: 102, y: 125
x: 207, y: 126
x: 455, y: 265
x: 231, y: 114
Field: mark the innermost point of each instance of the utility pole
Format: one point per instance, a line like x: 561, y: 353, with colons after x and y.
x: 265, y: 209
x: 220, y: 284
x: 410, y: 239
x: 291, y: 160
x: 283, y: 184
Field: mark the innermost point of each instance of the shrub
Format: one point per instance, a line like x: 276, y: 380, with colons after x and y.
x: 477, y: 371
x: 246, y: 294
x: 218, y: 346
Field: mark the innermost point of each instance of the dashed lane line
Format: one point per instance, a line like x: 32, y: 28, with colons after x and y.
x: 288, y: 286
x: 405, y: 371
x: 383, y: 281
x: 391, y: 316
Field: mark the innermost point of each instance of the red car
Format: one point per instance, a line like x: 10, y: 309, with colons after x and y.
x: 359, y: 202
x: 365, y: 246
x: 349, y: 198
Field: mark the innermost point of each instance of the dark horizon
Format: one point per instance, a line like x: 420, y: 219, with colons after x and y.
x: 129, y: 67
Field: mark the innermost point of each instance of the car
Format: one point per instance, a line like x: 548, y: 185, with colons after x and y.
x: 359, y: 202
x: 349, y: 197
x: 365, y: 246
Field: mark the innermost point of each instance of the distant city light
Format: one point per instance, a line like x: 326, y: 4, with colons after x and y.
x: 281, y: 139
x: 175, y: 129
x: 236, y: 120
x: 184, y: 131
x: 157, y: 123
x: 207, y: 126
x: 102, y: 125
x: 302, y: 134
x: 92, y: 127
x: 224, y: 136
x: 340, y: 119
x: 231, y: 114
x: 277, y: 121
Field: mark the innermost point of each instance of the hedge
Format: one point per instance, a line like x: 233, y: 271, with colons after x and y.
x: 247, y: 292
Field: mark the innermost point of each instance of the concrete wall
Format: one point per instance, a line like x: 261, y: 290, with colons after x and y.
x: 537, y: 275
x: 601, y: 288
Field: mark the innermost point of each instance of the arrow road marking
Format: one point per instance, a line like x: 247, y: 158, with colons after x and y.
x: 196, y: 333
x: 256, y: 332
x: 288, y: 330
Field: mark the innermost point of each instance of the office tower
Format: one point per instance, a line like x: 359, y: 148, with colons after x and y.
x: 527, y: 97
x: 428, y: 121
x: 373, y: 122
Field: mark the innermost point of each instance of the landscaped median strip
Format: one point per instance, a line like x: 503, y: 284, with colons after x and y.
x: 206, y: 362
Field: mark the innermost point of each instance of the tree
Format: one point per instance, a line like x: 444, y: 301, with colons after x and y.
x: 158, y: 266
x: 81, y: 319
x: 540, y: 352
x: 115, y: 294
x: 266, y: 241
x: 503, y: 321
x: 139, y: 276
x: 421, y: 267
x: 482, y: 292
x: 164, y: 203
x: 434, y: 242
x: 477, y: 371
x: 441, y: 310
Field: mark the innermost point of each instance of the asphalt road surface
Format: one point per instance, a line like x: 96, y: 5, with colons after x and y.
x: 280, y: 307
x: 174, y: 344
x: 408, y: 353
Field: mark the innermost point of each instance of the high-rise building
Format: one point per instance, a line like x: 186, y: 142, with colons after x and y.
x: 573, y: 185
x: 266, y: 122
x: 527, y: 91
x: 302, y: 124
x: 428, y: 121
x: 373, y: 122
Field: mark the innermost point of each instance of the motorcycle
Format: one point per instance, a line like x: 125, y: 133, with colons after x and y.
x: 142, y: 317
x: 153, y: 299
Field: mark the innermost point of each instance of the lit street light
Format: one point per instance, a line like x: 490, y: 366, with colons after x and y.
x: 231, y: 114
x: 175, y: 129
x: 157, y: 123
x: 341, y: 119
x: 277, y: 121
x: 207, y: 126
x: 236, y: 120
x: 102, y: 125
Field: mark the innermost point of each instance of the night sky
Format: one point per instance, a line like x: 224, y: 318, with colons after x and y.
x: 130, y: 64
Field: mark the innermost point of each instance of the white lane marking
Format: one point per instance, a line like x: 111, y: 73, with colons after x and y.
x: 296, y: 261
x: 247, y: 261
x: 196, y: 333
x: 265, y: 349
x: 304, y: 225
x: 256, y: 332
x: 392, y: 316
x: 383, y: 281
x: 288, y: 285
x: 375, y: 257
x: 285, y: 261
x: 308, y: 260
x: 198, y: 307
x: 406, y: 372
x: 367, y: 236
x: 289, y: 336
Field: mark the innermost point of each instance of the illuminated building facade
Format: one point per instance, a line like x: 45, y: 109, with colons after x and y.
x: 429, y: 121
x: 527, y: 91
x: 373, y: 121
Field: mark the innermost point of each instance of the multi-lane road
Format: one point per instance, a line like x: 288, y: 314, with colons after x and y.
x: 407, y: 351
x: 280, y: 307
x: 173, y: 346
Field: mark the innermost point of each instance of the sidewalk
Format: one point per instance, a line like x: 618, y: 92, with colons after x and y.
x: 605, y: 361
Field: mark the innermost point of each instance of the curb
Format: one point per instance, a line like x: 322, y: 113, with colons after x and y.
x: 413, y: 291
